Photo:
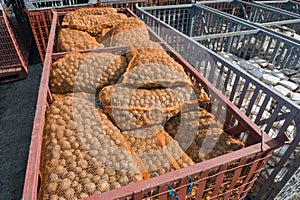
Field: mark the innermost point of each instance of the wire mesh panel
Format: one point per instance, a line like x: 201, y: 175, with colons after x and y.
x: 265, y: 16
x: 40, y: 22
x: 42, y: 4
x: 12, y: 63
x: 274, y: 113
x: 195, y: 21
x: 291, y: 6
x: 221, y: 33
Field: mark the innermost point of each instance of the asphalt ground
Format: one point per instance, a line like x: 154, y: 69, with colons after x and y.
x: 17, y: 110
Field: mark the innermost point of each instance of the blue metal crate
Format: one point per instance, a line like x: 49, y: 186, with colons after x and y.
x: 33, y: 5
x: 247, y: 92
x: 221, y: 32
x: 257, y: 13
x: 194, y: 21
x: 288, y: 5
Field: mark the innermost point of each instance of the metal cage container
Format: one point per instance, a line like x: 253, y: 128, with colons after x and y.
x: 14, y: 47
x: 244, y: 164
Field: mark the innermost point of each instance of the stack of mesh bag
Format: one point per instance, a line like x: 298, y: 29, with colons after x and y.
x: 91, y: 28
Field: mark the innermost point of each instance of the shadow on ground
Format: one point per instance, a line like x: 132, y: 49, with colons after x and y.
x: 17, y: 110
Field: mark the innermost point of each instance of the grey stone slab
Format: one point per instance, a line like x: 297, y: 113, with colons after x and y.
x: 284, y: 91
x: 296, y: 75
x: 288, y: 84
x: 279, y: 74
x: 269, y: 79
x: 296, y: 80
x: 295, y: 96
x: 245, y: 64
x: 289, y: 72
x: 256, y: 73
x: 262, y: 62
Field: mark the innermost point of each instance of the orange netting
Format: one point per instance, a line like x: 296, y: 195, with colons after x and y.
x: 88, y: 72
x: 201, y: 135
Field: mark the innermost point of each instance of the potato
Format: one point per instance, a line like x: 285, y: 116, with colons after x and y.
x: 96, y: 24
x: 91, y: 72
x: 78, y: 172
x: 206, y: 138
x: 165, y: 154
x: 72, y: 40
x: 131, y: 108
x: 84, y: 12
x: 152, y: 68
x: 129, y: 31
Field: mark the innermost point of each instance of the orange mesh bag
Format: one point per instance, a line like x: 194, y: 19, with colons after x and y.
x: 143, y: 47
x: 93, y: 24
x: 88, y: 72
x: 84, y: 12
x: 131, y: 108
x: 129, y: 31
x: 151, y: 68
x: 157, y: 150
x: 72, y: 40
x: 200, y: 135
x: 83, y: 153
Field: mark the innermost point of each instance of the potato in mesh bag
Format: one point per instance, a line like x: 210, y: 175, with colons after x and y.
x: 201, y: 136
x: 154, y: 68
x: 129, y: 31
x: 94, y: 24
x: 157, y: 150
x: 142, y: 47
x: 72, y: 40
x: 88, y: 72
x: 131, y: 108
x: 86, y: 11
x: 83, y: 152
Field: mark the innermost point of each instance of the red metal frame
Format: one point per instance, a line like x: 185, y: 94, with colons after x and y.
x: 13, y: 65
x: 247, y: 162
x: 40, y: 23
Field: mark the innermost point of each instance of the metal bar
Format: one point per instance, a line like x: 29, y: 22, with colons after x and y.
x: 251, y: 172
x: 236, y: 175
x: 161, y: 190
x: 220, y: 35
x: 288, y: 120
x: 287, y: 55
x: 293, y: 21
x: 182, y: 190
x: 262, y: 108
x: 274, y: 115
x: 201, y: 185
x: 235, y: 84
x: 219, y: 180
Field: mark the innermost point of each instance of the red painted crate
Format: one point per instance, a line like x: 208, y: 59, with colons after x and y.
x: 40, y: 23
x: 13, y: 49
x: 244, y: 164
